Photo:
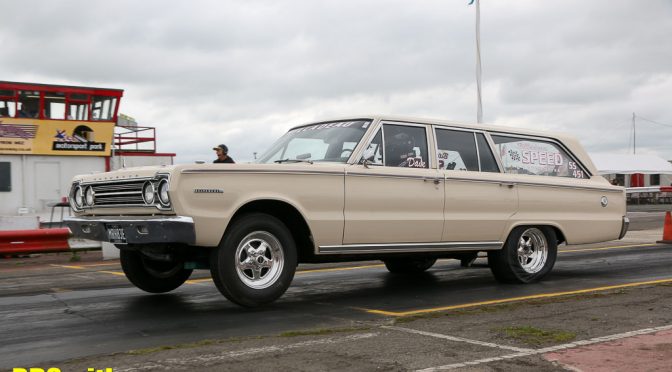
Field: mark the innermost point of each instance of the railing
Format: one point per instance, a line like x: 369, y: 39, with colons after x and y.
x: 34, y: 241
x: 135, y: 139
x: 649, y: 195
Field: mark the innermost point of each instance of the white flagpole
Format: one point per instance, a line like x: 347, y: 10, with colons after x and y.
x: 479, y: 112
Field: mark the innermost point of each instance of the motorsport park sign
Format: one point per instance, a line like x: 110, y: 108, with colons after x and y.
x: 47, y: 137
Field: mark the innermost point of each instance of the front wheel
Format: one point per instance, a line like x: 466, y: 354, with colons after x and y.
x: 151, y: 275
x: 528, y: 255
x: 255, y: 262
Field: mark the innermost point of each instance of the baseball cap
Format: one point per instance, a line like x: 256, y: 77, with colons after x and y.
x: 223, y: 147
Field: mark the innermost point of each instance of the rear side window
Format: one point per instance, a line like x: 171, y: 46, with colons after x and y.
x: 462, y: 150
x: 536, y: 157
x: 456, y: 150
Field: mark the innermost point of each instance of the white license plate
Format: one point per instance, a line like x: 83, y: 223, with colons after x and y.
x: 115, y: 234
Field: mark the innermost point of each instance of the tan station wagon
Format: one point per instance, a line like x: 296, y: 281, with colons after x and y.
x: 402, y: 190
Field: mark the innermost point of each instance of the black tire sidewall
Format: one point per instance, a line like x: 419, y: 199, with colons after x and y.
x: 223, y: 261
x: 134, y: 268
x: 505, y: 265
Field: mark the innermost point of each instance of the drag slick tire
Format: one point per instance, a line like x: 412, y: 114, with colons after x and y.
x: 152, y: 276
x: 256, y: 260
x: 528, y: 255
x: 409, y: 265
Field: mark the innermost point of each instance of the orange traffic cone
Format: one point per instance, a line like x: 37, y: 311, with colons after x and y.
x: 667, y: 230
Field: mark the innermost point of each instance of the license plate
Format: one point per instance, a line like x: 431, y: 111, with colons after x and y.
x: 115, y: 234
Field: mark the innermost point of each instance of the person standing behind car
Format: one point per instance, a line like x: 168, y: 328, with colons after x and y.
x: 222, y: 154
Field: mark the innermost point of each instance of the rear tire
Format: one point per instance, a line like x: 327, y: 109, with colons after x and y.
x: 151, y: 275
x: 255, y: 262
x: 409, y: 265
x: 528, y: 255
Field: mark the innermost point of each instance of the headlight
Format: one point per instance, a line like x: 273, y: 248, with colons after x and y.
x: 163, y: 193
x: 79, y: 197
x: 88, y: 196
x: 148, y: 192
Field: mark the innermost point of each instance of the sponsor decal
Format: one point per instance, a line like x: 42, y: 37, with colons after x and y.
x: 340, y: 124
x: 55, y: 137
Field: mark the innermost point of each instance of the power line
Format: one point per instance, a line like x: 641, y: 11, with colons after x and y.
x: 653, y: 121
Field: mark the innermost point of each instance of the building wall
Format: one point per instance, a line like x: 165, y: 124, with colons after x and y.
x: 38, y: 180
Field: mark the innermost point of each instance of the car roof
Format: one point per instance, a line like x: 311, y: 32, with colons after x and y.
x: 567, y: 140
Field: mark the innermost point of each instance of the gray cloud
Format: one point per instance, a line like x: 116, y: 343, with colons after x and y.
x: 205, y: 72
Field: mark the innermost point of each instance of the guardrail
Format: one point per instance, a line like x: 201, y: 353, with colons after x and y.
x: 637, y: 190
x: 34, y: 241
x: 649, y: 195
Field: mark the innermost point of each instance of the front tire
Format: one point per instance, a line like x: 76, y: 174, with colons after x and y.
x: 255, y: 262
x: 528, y: 255
x: 409, y: 265
x: 151, y: 275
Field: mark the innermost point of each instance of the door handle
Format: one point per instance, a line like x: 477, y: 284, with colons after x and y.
x: 507, y: 184
x: 435, y: 180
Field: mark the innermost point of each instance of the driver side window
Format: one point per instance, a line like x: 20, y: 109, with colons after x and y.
x: 405, y: 146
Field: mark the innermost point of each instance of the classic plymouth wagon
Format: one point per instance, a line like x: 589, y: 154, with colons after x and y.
x: 401, y: 190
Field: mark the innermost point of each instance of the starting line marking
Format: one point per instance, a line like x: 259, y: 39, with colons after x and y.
x: 571, y: 345
x: 457, y: 339
x: 515, y: 299
x: 606, y: 248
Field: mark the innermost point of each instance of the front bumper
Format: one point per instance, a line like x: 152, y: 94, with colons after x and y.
x: 624, y: 227
x: 137, y: 229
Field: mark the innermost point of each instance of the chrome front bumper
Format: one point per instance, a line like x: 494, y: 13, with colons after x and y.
x: 136, y: 229
x: 624, y: 227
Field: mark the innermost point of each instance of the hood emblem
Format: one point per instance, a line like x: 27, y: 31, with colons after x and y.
x: 208, y: 191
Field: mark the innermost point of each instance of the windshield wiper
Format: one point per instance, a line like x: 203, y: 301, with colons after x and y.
x: 293, y: 161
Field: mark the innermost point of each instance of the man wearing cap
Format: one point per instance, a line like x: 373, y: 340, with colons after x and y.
x: 222, y: 156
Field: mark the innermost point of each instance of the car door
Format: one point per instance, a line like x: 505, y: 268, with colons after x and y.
x: 480, y: 199
x: 395, y: 196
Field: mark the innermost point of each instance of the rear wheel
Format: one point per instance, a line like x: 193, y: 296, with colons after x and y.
x: 255, y: 262
x: 152, y: 275
x: 408, y: 265
x: 528, y: 255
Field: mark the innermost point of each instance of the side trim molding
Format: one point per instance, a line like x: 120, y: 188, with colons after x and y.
x: 409, y: 247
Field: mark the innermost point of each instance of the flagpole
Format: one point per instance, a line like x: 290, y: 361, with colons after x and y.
x: 479, y: 112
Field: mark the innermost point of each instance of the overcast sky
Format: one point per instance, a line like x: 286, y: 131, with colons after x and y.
x: 242, y: 73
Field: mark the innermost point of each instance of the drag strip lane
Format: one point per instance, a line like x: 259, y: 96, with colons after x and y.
x: 108, y: 319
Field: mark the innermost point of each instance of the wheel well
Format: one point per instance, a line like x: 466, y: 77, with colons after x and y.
x: 290, y: 216
x: 558, y: 233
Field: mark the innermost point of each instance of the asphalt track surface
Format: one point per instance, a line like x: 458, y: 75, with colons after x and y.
x: 56, y: 312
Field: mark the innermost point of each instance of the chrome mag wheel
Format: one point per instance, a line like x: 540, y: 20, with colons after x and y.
x: 532, y: 250
x: 259, y: 260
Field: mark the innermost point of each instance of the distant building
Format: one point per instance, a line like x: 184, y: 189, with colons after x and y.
x: 50, y: 133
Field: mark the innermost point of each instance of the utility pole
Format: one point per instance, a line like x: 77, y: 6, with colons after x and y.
x: 479, y: 111
x: 634, y: 135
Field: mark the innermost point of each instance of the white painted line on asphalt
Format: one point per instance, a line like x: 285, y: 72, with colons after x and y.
x: 571, y: 345
x: 201, y: 360
x: 457, y: 339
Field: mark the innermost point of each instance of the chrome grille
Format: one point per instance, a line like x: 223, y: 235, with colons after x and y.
x: 119, y: 193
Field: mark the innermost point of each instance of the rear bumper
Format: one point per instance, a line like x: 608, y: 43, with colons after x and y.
x: 624, y: 227
x: 137, y: 230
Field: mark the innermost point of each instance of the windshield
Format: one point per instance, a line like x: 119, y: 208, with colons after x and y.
x: 333, y: 142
